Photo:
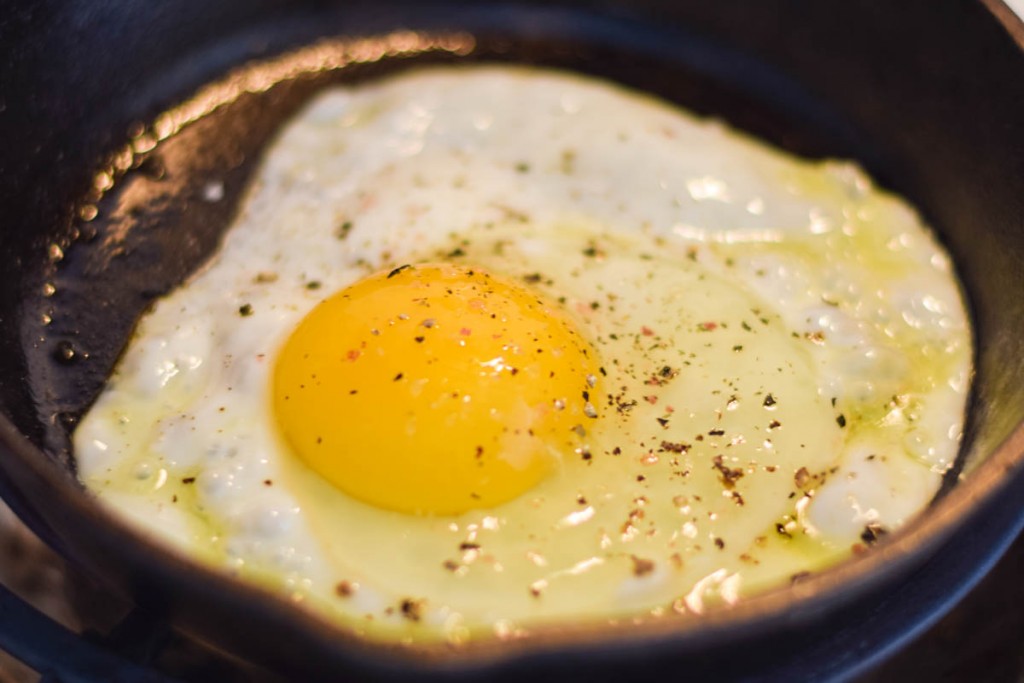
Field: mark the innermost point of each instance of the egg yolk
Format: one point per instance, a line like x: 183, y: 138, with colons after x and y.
x: 435, y: 389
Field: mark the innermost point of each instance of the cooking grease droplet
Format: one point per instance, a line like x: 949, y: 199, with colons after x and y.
x: 152, y: 167
x: 86, y: 233
x: 67, y: 420
x: 65, y: 352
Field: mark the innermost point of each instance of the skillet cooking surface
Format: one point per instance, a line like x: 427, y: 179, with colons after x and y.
x: 92, y: 278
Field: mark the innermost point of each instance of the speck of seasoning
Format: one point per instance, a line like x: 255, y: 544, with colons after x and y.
x: 798, y: 577
x: 585, y: 454
x: 872, y: 532
x: 616, y: 451
x: 801, y: 477
x: 245, y: 310
x: 780, y: 529
x: 841, y: 420
x: 412, y: 609
x: 738, y: 347
x: 769, y: 401
x: 343, y: 230
x: 428, y: 323
x: 344, y: 589
x: 313, y: 284
x: 663, y: 421
x: 720, y: 544
x: 398, y: 377
x: 268, y: 482
x: 188, y: 480
x: 265, y: 278
x: 716, y: 432
x: 450, y: 565
x: 774, y: 424
x: 729, y: 476
x: 522, y: 167
x: 419, y: 340
x: 467, y: 545
x: 399, y: 269
x: 456, y: 252
x: 641, y: 566
x: 674, y: 447
x: 568, y: 161
x: 533, y: 278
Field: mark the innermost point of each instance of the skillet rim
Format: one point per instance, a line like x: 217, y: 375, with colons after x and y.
x: 905, y: 550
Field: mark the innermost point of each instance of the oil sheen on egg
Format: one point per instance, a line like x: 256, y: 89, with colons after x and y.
x: 638, y: 364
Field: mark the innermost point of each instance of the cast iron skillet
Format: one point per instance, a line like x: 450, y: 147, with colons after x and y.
x: 929, y: 96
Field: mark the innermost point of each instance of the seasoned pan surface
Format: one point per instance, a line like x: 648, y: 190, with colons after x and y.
x: 82, y: 260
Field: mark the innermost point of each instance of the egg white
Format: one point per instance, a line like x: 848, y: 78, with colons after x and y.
x: 787, y: 358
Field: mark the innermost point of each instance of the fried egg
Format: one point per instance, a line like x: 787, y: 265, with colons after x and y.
x: 494, y: 347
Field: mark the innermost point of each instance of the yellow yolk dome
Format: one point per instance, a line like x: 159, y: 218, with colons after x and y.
x: 434, y: 389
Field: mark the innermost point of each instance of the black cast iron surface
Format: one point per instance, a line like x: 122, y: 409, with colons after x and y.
x: 947, y: 133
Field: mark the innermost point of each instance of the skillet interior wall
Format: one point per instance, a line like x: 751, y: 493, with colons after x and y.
x: 74, y: 75
x: 69, y: 94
